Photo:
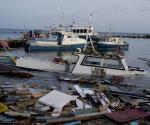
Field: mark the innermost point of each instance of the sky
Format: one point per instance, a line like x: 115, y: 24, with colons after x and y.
x: 107, y: 15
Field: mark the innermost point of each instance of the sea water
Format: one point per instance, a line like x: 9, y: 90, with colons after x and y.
x: 6, y: 34
x: 138, y: 48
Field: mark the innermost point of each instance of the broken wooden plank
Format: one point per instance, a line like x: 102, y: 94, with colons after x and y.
x: 78, y: 117
x: 79, y: 90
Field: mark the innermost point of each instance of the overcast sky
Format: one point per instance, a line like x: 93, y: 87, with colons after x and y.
x: 122, y: 15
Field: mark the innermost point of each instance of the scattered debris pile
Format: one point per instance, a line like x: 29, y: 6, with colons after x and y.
x: 79, y: 105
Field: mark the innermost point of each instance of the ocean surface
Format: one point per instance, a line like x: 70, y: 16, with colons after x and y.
x: 6, y: 34
x: 138, y: 48
x: 11, y: 33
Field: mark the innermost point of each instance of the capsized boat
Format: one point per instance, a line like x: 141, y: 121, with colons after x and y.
x: 54, y: 65
x: 110, y: 64
x: 112, y: 43
x: 86, y: 64
x: 58, y: 41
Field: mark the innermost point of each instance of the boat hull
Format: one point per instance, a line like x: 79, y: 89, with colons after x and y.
x: 11, y: 70
x: 41, y: 65
x: 93, y: 37
x: 105, y: 47
x: 29, y: 48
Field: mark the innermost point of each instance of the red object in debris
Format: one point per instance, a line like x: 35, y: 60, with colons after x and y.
x: 117, y: 79
x: 127, y: 115
x: 56, y: 59
x: 4, y: 44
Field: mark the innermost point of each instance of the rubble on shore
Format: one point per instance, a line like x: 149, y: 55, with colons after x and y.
x: 108, y: 101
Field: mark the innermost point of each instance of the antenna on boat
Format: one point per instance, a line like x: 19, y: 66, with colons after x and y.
x: 110, y: 30
x: 24, y: 25
x: 73, y: 20
x: 90, y: 21
x: 62, y: 18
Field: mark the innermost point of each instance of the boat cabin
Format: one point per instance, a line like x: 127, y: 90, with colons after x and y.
x: 62, y: 36
x: 83, y: 30
x: 108, y: 64
x: 115, y: 40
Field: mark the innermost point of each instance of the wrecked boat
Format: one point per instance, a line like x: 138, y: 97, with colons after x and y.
x: 86, y: 64
x: 40, y: 64
x: 109, y: 64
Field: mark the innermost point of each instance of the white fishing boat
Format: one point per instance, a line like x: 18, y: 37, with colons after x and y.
x: 58, y: 41
x: 112, y: 43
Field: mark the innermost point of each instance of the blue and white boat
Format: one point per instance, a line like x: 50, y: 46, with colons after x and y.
x: 57, y: 41
x: 112, y: 43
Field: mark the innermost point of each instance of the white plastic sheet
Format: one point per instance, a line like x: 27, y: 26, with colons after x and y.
x: 56, y: 99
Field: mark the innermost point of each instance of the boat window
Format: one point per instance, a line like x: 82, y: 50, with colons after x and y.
x: 74, y: 31
x: 54, y: 36
x: 85, y: 31
x: 78, y: 31
x: 92, y: 61
x: 111, y: 63
x: 81, y: 31
x: 90, y: 30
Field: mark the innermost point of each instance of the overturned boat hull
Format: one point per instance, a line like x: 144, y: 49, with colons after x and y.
x: 10, y: 70
x: 39, y: 64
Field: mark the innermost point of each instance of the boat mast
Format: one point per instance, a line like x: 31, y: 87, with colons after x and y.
x: 62, y: 19
x: 73, y: 20
x: 110, y: 34
x: 90, y: 20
